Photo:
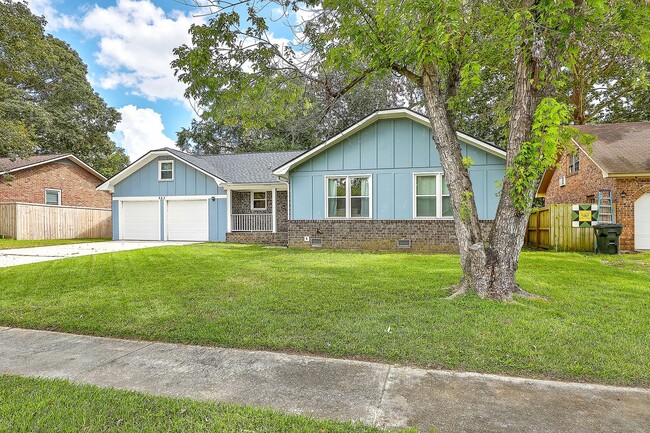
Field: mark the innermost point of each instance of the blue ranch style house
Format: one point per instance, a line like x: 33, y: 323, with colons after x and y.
x: 377, y: 185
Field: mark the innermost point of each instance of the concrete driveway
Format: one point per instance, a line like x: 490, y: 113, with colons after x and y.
x: 23, y: 256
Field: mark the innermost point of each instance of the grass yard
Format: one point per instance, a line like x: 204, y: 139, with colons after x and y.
x: 6, y: 244
x: 40, y: 405
x: 593, y: 326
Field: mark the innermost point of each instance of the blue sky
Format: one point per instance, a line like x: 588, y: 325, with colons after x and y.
x: 127, y: 45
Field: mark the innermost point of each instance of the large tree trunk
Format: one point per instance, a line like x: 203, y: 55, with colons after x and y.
x: 488, y: 264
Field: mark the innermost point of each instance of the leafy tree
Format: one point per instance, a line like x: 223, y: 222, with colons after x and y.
x: 46, y: 102
x: 446, y: 48
x: 605, y: 80
x: 309, y: 116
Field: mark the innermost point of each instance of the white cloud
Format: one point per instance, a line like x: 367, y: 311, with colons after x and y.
x: 136, y: 39
x: 140, y: 131
x: 55, y: 20
x: 135, y: 43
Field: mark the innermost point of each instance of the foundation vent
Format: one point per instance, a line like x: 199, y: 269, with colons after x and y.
x: 316, y: 242
x: 404, y: 243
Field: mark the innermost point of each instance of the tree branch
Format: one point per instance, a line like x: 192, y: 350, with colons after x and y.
x: 417, y: 79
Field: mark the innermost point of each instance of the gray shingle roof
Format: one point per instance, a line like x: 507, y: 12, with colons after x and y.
x: 621, y: 148
x: 7, y: 165
x: 239, y: 167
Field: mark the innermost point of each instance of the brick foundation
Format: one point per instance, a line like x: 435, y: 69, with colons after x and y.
x: 378, y: 235
x: 266, y: 238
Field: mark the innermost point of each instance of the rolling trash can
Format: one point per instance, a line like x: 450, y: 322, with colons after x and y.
x: 608, y: 238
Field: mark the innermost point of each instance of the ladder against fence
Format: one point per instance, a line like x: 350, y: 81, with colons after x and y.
x: 605, y: 207
x: 551, y: 228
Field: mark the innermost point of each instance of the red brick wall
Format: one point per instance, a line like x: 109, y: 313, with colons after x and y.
x: 588, y: 180
x: 77, y: 185
x: 634, y: 188
x: 579, y: 185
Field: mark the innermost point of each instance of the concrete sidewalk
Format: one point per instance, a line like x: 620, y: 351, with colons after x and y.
x: 24, y: 256
x: 378, y: 394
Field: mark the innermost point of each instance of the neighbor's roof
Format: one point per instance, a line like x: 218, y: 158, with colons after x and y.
x: 9, y: 165
x: 620, y: 148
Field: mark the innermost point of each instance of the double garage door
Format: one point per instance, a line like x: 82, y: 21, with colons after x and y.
x: 183, y: 220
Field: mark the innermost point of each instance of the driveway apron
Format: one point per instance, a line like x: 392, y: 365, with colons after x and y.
x: 24, y: 256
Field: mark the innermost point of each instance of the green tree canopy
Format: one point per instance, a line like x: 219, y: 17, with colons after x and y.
x: 297, y: 113
x: 47, y: 104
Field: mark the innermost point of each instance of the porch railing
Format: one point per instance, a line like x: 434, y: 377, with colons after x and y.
x: 258, y: 222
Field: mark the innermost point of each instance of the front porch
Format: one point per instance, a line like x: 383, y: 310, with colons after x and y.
x: 257, y: 214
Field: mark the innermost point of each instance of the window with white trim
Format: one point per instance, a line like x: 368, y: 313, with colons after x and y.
x: 258, y: 200
x: 166, y: 171
x: 348, y: 196
x: 431, y: 196
x: 53, y: 197
x: 574, y: 162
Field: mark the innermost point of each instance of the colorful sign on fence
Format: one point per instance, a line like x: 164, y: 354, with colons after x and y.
x: 584, y: 215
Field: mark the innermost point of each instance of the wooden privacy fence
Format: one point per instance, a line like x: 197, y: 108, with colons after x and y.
x: 550, y: 228
x: 39, y: 221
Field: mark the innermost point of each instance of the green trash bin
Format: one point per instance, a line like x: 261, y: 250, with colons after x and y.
x: 608, y: 238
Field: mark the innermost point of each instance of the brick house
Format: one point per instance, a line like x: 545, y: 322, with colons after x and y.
x: 59, y: 180
x: 378, y: 185
x: 619, y: 161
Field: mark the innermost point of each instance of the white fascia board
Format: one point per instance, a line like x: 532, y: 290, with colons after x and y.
x: 623, y: 175
x: 59, y: 158
x: 109, y: 185
x: 396, y: 113
x: 481, y: 145
x: 280, y: 186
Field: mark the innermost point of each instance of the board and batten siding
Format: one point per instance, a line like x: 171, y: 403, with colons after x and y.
x: 391, y: 150
x: 188, y: 181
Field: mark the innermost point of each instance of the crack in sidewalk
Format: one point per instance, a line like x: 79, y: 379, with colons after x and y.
x: 77, y: 375
x: 381, y: 396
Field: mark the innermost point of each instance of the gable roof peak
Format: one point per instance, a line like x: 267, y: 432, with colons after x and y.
x: 10, y: 165
x: 391, y: 113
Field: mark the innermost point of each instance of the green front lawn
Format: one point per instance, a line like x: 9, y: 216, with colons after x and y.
x: 6, y: 244
x: 593, y: 326
x: 39, y: 405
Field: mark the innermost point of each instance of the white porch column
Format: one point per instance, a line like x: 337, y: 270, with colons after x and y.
x: 228, y: 211
x: 275, y: 212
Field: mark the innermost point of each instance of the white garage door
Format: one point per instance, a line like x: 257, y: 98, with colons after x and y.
x: 140, y: 220
x: 642, y: 222
x: 187, y: 220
